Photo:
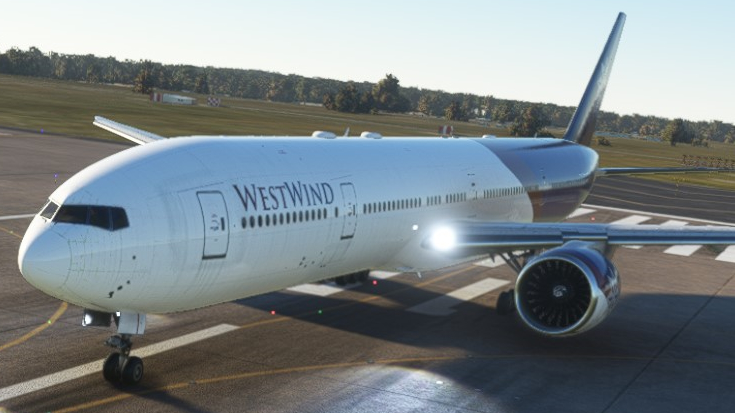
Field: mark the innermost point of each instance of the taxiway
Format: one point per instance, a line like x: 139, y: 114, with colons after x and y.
x: 395, y: 344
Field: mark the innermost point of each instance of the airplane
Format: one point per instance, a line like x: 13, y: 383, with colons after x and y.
x: 178, y: 224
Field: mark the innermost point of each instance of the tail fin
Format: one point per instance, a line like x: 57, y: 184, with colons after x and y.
x: 582, y: 125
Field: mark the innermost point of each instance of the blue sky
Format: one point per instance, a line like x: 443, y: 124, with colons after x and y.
x: 675, y: 59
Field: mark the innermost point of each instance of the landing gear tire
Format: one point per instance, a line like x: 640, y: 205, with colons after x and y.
x: 120, y: 366
x: 133, y: 371
x: 506, y: 303
x: 111, y: 368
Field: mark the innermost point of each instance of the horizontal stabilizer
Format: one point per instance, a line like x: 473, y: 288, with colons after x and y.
x: 130, y: 133
x: 644, y: 171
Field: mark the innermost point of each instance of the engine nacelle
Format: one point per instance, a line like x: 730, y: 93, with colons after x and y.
x: 567, y: 290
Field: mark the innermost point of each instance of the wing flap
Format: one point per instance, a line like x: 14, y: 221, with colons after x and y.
x: 130, y: 133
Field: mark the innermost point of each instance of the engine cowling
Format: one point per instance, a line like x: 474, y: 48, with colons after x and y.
x: 567, y: 290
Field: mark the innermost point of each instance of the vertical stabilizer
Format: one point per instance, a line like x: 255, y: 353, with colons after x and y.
x: 582, y: 125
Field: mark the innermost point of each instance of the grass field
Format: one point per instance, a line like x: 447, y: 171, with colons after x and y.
x: 69, y: 108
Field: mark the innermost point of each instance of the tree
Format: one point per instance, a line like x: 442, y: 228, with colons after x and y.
x: 144, y: 82
x: 730, y: 135
x: 454, y: 112
x: 677, y: 131
x: 503, y: 112
x: 347, y: 99
x: 388, y: 97
x: 425, y: 104
x: 328, y: 101
x: 531, y: 122
x: 367, y: 103
x: 201, y: 85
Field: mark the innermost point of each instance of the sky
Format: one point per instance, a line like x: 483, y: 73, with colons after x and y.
x: 676, y: 58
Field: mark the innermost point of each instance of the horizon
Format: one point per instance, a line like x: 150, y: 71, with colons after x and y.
x: 671, y: 63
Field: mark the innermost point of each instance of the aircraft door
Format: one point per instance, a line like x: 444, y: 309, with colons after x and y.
x: 216, y: 228
x: 350, y: 215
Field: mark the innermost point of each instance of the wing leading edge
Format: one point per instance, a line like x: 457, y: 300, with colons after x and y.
x: 653, y: 170
x: 130, y: 133
x: 472, y: 238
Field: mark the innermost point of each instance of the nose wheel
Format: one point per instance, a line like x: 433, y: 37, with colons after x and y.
x: 120, y: 367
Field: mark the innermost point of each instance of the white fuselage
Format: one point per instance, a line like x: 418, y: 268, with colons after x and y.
x: 213, y: 219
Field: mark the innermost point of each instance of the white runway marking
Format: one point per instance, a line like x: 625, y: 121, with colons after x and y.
x: 441, y: 305
x: 383, y: 275
x: 654, y: 214
x: 95, y: 367
x: 681, y: 250
x: 581, y: 211
x: 325, y: 290
x: 632, y: 220
x: 728, y: 255
x: 11, y: 217
x: 491, y: 262
x: 320, y: 290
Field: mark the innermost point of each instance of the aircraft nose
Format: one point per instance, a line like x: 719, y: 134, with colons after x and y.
x: 44, y: 258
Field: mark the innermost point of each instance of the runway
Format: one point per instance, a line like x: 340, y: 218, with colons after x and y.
x: 395, y: 344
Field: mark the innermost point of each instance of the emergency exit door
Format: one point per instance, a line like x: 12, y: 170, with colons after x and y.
x: 216, y: 228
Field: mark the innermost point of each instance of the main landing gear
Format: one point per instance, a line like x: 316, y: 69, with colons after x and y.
x: 506, y: 303
x: 354, y: 278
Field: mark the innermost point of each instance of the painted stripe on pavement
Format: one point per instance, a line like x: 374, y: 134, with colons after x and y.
x: 441, y: 306
x: 325, y: 290
x: 728, y: 255
x: 492, y: 262
x: 654, y: 214
x: 320, y: 290
x: 383, y: 275
x: 681, y: 250
x: 11, y: 217
x: 581, y: 211
x: 632, y: 220
x: 95, y: 367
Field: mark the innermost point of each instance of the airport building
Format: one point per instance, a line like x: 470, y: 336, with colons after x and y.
x: 172, y: 99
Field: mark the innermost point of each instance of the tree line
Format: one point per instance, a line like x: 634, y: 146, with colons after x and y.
x: 522, y: 118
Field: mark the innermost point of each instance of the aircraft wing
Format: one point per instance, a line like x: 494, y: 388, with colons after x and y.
x: 642, y: 171
x: 130, y: 133
x: 478, y: 237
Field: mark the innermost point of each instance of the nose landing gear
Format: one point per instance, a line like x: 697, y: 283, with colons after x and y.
x: 120, y: 366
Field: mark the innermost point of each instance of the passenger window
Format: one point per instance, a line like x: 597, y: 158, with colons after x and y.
x: 119, y: 218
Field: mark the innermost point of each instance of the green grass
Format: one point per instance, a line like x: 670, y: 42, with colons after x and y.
x: 69, y: 108
x: 640, y: 153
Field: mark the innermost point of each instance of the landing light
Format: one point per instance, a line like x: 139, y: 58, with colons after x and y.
x: 443, y: 239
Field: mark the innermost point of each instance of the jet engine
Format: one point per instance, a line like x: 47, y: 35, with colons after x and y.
x: 567, y: 290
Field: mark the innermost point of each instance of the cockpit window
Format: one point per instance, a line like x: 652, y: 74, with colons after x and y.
x: 99, y: 217
x: 119, y: 218
x: 109, y: 218
x: 72, y: 214
x: 49, y: 210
